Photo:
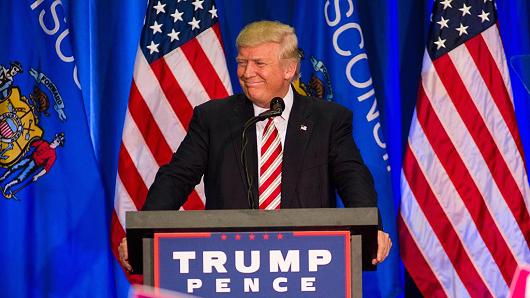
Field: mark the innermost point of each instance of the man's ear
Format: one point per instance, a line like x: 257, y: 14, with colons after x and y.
x: 290, y: 70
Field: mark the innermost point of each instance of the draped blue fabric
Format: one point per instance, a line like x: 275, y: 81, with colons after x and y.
x: 105, y: 36
x: 54, y: 214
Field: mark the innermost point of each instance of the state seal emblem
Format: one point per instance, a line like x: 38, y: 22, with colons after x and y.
x: 25, y: 155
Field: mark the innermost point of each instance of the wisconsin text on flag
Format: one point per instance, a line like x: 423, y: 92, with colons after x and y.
x: 180, y: 63
x: 465, y: 223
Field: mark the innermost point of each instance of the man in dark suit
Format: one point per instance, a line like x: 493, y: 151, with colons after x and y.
x: 317, y: 154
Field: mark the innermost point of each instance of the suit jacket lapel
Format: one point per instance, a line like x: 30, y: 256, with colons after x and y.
x: 243, y: 111
x: 299, y: 131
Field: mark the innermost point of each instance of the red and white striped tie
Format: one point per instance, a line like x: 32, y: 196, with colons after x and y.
x: 270, y: 169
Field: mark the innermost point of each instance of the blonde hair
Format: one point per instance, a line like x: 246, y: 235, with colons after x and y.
x: 261, y: 32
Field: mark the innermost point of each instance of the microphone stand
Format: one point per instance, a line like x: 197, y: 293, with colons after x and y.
x: 244, y: 162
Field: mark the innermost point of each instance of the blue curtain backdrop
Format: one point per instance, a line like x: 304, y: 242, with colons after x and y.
x: 105, y: 34
x: 54, y: 215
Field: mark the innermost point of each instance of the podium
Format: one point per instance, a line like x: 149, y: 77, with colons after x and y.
x: 361, y: 223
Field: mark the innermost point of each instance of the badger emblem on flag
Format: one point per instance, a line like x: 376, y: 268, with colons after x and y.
x: 23, y: 152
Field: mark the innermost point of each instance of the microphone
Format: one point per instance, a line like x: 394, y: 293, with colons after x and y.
x: 276, y: 109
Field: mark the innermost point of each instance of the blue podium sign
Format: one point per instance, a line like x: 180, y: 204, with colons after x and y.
x: 254, y: 264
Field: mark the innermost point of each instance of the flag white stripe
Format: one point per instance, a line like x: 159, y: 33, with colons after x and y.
x: 456, y: 211
x: 150, y: 89
x: 491, y: 115
x: 187, y: 79
x: 123, y: 202
x: 140, y: 153
x: 429, y: 245
x: 473, y: 160
x: 214, y: 51
x: 494, y: 43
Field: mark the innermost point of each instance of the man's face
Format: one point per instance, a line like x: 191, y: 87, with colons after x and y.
x: 262, y: 74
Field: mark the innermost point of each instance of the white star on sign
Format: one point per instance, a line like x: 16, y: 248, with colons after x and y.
x: 446, y: 3
x: 197, y: 4
x: 159, y: 7
x: 465, y: 10
x: 156, y: 28
x: 484, y: 16
x: 462, y: 29
x: 194, y: 23
x: 177, y: 16
x: 174, y: 35
x: 443, y: 23
x: 213, y: 12
x: 440, y: 43
x: 153, y: 47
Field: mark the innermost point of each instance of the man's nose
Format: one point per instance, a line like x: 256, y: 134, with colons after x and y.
x: 249, y: 70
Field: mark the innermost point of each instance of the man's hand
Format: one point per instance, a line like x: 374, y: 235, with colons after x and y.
x: 383, y: 247
x: 124, y: 255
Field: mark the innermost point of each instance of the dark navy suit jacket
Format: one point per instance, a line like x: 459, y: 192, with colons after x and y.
x: 319, y: 158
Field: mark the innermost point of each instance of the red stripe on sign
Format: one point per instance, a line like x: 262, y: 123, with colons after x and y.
x: 464, y: 185
x: 173, y: 92
x: 204, y: 70
x: 443, y: 228
x: 485, y: 142
x: 416, y: 265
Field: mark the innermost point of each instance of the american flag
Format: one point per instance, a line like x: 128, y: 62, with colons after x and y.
x: 465, y: 223
x: 180, y: 63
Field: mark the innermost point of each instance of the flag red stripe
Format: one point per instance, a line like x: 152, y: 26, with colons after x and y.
x: 484, y: 141
x: 491, y: 74
x: 217, y: 31
x: 464, y: 185
x: 117, y: 234
x: 147, y: 126
x: 193, y: 202
x: 443, y: 228
x: 131, y: 179
x: 204, y: 70
x: 417, y: 267
x: 173, y: 92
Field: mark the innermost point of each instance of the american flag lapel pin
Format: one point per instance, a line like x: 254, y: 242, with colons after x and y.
x: 303, y: 127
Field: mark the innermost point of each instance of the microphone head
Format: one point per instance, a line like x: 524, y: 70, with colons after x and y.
x: 277, y: 105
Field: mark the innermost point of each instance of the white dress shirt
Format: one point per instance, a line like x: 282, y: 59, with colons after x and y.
x: 280, y: 122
